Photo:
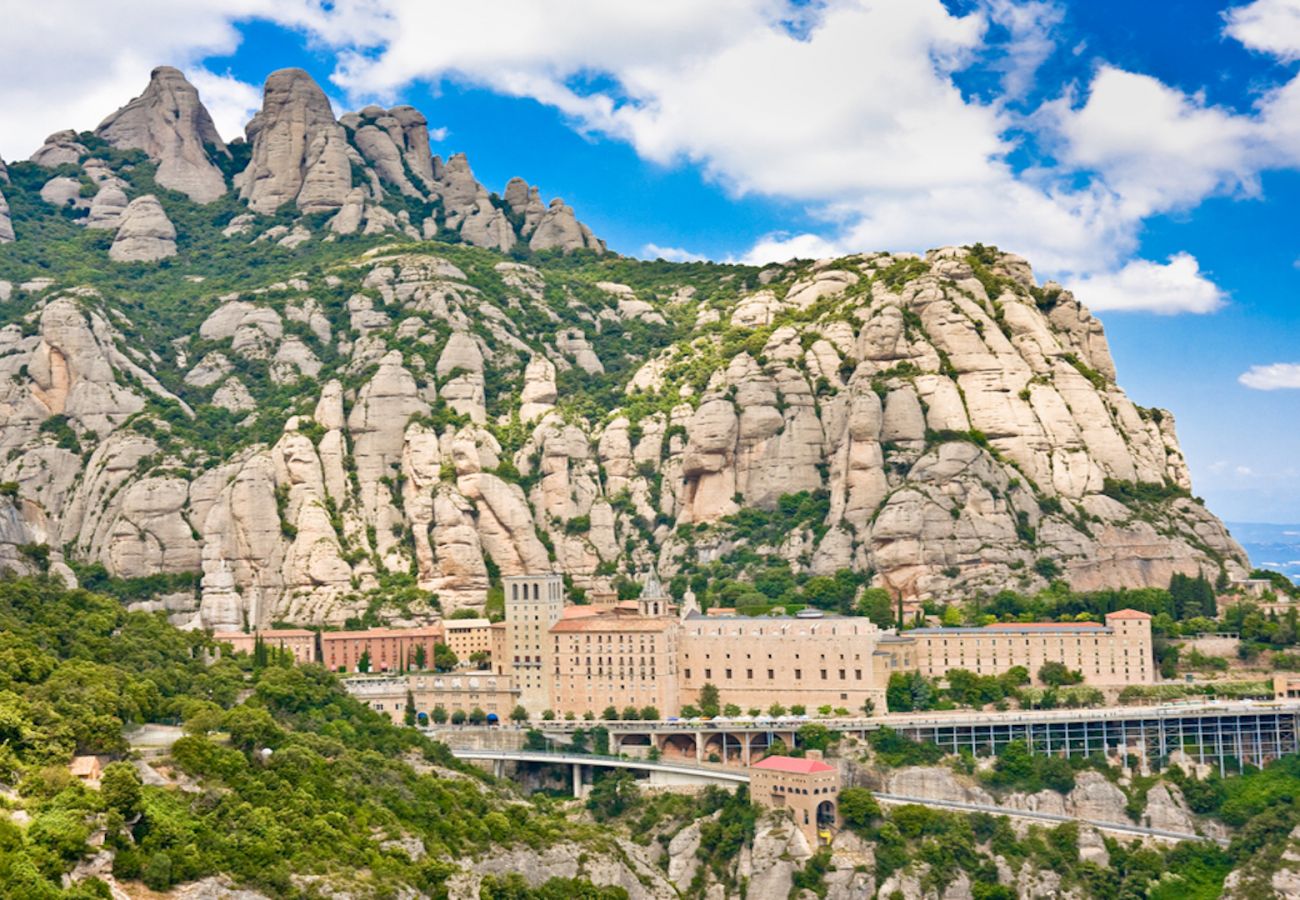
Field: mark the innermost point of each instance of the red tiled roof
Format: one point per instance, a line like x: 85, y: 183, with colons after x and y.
x: 1128, y: 614
x: 793, y: 764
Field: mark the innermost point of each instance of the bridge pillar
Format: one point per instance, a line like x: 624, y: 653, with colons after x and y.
x: 745, y: 738
x: 577, y: 780
x: 699, y: 747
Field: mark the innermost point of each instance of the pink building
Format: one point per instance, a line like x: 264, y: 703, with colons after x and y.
x: 298, y: 641
x: 389, y: 649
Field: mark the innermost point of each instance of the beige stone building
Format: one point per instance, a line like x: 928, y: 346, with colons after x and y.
x: 463, y: 691
x: 533, y: 605
x: 1116, y: 653
x: 298, y: 641
x: 614, y: 656
x: 807, y: 787
x: 813, y: 661
x: 465, y: 637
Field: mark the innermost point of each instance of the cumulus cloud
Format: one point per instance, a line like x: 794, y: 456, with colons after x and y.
x: 1273, y: 377
x: 1270, y: 26
x: 1177, y: 286
x: 230, y: 101
x: 67, y: 64
x: 1157, y: 148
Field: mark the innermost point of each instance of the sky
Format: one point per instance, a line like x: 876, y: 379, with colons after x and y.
x: 1145, y: 155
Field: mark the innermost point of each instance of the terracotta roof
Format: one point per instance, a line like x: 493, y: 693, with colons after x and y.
x: 372, y: 633
x: 269, y: 633
x: 83, y: 765
x: 581, y: 612
x: 610, y: 623
x: 1019, y: 625
x: 1128, y: 614
x: 793, y: 764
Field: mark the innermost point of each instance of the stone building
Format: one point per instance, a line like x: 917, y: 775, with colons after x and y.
x: 456, y: 691
x: 807, y: 787
x: 614, y: 656
x: 533, y: 605
x: 298, y: 641
x: 819, y: 660
x: 389, y: 649
x: 1116, y: 653
x: 465, y: 637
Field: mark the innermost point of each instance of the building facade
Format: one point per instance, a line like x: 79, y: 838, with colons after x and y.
x: 300, y: 642
x: 533, y: 604
x: 808, y: 788
x: 457, y: 691
x: 1116, y: 653
x: 465, y: 637
x: 614, y: 656
x: 786, y: 660
x: 386, y: 649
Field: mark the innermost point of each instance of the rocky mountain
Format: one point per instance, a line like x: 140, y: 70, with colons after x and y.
x: 353, y: 378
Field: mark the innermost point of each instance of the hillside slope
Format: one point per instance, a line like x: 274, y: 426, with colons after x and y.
x: 356, y: 377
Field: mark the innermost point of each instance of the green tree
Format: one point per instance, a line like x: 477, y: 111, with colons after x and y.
x: 710, y: 703
x: 408, y: 712
x: 438, y: 714
x: 477, y: 716
x: 650, y: 713
x: 878, y: 606
x: 363, y: 664
x: 610, y: 714
x: 120, y: 789
x: 458, y: 717
x: 1057, y: 674
x: 815, y: 736
x: 858, y: 808
x: 630, y: 714
x: 444, y: 658
x: 421, y: 657
x: 612, y: 794
x: 519, y: 714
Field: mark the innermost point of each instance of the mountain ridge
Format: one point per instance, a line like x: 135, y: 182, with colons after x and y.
x: 339, y: 393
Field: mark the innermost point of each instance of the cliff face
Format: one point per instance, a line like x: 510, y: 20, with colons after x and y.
x: 313, y: 409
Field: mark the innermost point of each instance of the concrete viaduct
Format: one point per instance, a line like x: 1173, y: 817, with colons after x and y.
x: 679, y: 773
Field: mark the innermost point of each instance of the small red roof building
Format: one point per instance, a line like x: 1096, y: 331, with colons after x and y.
x: 793, y: 764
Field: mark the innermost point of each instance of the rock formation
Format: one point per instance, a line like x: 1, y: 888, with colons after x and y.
x: 171, y: 125
x: 145, y: 235
x: 559, y: 229
x: 299, y: 153
x: 6, y: 222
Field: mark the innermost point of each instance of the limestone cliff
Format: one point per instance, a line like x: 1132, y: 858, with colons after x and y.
x: 337, y: 384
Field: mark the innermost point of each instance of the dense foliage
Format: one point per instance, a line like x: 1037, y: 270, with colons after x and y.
x: 292, y: 779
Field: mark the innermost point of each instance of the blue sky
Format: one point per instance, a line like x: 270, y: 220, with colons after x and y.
x: 1147, y: 155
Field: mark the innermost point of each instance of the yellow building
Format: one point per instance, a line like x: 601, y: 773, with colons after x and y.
x: 533, y: 605
x: 465, y: 637
x: 1116, y: 653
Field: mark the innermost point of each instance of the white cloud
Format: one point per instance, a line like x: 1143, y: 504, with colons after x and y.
x: 1270, y: 26
x: 1144, y: 286
x: 1030, y: 25
x: 68, y: 64
x: 1154, y: 146
x: 672, y: 254
x: 1276, y: 376
x: 230, y: 101
x: 438, y: 135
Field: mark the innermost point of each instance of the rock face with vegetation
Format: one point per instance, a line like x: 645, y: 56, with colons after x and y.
x: 171, y: 125
x: 360, y: 378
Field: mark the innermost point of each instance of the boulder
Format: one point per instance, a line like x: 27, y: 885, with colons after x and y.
x: 171, y: 125
x: 7, y: 235
x: 559, y: 229
x: 145, y: 235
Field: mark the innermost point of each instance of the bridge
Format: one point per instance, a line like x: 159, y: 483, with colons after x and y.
x: 670, y: 773
x: 1229, y: 735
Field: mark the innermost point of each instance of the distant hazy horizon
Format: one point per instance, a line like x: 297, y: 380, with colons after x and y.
x: 1273, y: 546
